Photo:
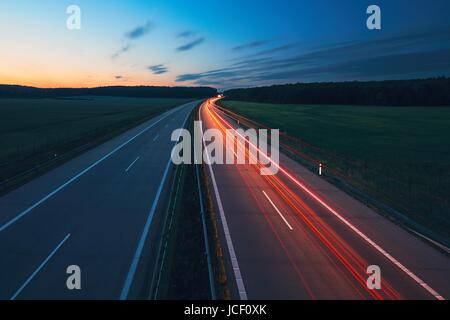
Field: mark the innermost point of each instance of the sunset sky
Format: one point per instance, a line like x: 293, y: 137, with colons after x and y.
x: 220, y: 43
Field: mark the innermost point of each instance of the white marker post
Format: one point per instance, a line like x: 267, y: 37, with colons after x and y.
x: 320, y: 169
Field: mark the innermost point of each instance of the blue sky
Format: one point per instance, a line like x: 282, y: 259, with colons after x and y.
x: 220, y: 43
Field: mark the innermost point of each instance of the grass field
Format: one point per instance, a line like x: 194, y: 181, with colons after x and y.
x: 400, y: 155
x: 34, y: 131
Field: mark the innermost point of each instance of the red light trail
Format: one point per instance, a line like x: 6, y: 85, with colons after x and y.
x: 342, y: 251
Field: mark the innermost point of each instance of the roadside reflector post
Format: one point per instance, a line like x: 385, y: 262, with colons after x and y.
x: 320, y: 169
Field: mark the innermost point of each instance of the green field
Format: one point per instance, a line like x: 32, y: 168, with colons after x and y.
x: 400, y: 155
x: 34, y: 131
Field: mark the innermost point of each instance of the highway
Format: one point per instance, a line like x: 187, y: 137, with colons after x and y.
x: 100, y: 211
x: 288, y: 236
x: 295, y: 236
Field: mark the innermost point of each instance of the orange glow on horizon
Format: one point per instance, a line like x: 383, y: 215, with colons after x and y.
x: 80, y: 82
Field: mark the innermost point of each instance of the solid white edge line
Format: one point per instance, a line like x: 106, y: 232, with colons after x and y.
x: 48, y: 196
x: 138, y: 253
x: 42, y: 265
x: 441, y: 246
x: 223, y: 219
x: 412, y: 275
x: 278, y: 211
x: 129, y: 167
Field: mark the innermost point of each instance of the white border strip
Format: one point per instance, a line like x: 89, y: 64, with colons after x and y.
x: 129, y: 167
x: 42, y: 265
x: 232, y: 253
x: 278, y: 211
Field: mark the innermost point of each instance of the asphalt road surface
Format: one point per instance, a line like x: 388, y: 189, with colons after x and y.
x: 288, y: 236
x: 295, y: 236
x: 99, y: 212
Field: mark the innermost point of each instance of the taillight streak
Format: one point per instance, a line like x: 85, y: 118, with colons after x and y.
x: 430, y: 290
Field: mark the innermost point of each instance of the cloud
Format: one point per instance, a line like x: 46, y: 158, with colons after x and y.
x: 189, y: 77
x: 264, y: 54
x: 250, y: 61
x: 399, y: 57
x: 121, y: 51
x: 140, y: 31
x: 190, y: 45
x: 391, y: 66
x: 134, y: 34
x: 278, y: 49
x: 158, y: 69
x: 186, y: 34
x: 251, y: 45
x: 120, y: 77
x: 217, y: 73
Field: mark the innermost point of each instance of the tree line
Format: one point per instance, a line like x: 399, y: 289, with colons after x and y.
x: 13, y: 91
x: 421, y: 92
